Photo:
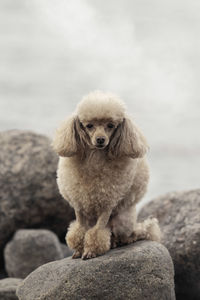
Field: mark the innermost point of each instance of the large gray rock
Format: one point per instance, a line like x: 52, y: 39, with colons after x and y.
x: 8, y: 288
x: 179, y: 217
x: 30, y: 249
x: 29, y: 196
x: 66, y: 250
x: 143, y: 270
x: 3, y: 274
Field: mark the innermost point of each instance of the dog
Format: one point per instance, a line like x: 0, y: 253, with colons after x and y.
x: 102, y: 173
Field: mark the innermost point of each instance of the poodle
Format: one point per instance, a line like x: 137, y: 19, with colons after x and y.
x: 103, y: 174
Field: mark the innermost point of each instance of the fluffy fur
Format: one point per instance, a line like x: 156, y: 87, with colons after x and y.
x: 103, y: 174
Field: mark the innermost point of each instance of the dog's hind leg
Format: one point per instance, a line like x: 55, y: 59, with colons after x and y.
x: 126, y: 230
x: 147, y: 230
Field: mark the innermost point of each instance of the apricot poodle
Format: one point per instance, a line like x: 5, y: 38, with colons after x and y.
x: 103, y: 174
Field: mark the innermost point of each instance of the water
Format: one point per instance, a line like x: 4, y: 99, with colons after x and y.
x: 53, y: 52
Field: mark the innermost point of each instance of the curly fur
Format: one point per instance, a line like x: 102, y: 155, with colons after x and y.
x: 103, y: 174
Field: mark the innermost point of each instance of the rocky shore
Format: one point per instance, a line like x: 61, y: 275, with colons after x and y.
x: 33, y: 222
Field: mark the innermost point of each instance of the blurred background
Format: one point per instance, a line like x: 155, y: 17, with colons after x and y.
x: 148, y: 52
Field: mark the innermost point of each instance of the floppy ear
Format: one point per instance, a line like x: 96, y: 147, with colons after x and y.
x: 128, y: 141
x: 65, y: 142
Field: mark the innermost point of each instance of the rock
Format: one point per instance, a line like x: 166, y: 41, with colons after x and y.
x: 30, y: 249
x: 66, y: 251
x: 178, y: 215
x: 29, y: 196
x: 143, y: 270
x: 3, y: 274
x: 8, y: 288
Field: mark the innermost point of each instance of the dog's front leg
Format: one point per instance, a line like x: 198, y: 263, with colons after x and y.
x: 97, y: 239
x: 75, y: 235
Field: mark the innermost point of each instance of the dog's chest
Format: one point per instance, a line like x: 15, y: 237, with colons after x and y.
x: 93, y: 189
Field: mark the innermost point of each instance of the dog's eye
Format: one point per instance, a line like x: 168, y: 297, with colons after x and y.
x: 110, y: 125
x: 89, y: 125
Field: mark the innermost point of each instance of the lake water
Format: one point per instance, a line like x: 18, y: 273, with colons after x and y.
x: 54, y: 52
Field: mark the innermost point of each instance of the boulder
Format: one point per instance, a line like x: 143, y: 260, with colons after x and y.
x: 143, y: 270
x: 29, y: 196
x: 66, y: 250
x: 3, y: 274
x: 8, y: 288
x: 179, y: 217
x: 30, y: 249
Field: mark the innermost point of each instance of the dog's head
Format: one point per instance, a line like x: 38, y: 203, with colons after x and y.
x: 100, y: 123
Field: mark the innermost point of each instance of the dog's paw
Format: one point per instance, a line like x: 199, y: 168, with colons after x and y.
x: 88, y: 255
x: 76, y: 254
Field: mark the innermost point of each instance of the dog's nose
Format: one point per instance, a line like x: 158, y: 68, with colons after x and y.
x: 100, y: 140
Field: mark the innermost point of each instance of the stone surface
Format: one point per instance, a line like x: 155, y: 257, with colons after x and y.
x: 143, y: 270
x: 30, y: 249
x: 3, y: 274
x: 29, y: 196
x: 179, y: 217
x: 8, y: 288
x: 66, y: 251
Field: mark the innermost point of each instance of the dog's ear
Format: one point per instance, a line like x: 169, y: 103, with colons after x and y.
x: 127, y: 140
x: 65, y: 140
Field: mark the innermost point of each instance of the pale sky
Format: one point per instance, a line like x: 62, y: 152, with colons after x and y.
x: 54, y: 52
